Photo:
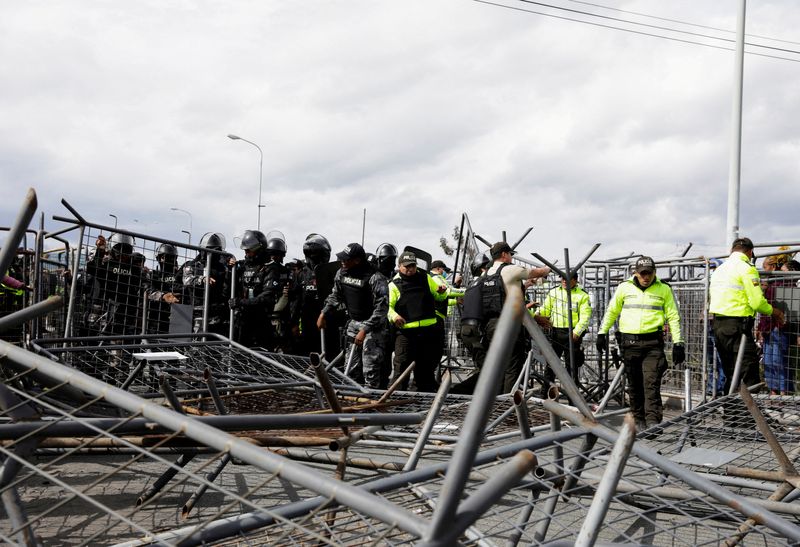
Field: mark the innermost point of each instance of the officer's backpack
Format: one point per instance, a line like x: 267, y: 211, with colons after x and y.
x: 483, y: 300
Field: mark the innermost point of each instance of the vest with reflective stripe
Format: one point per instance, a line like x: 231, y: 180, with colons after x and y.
x: 555, y: 307
x: 643, y: 311
x: 415, y: 302
x: 735, y: 289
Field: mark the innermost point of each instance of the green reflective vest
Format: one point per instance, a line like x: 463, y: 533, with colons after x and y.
x: 735, y: 289
x: 643, y: 311
x: 555, y: 307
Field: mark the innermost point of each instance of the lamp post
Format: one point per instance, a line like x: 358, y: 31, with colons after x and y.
x: 115, y: 220
x: 190, y: 221
x: 260, y: 171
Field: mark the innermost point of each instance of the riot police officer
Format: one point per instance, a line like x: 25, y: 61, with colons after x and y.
x: 386, y: 255
x: 194, y: 281
x: 281, y: 278
x: 116, y: 284
x: 161, y: 293
x: 256, y: 293
x: 314, y: 283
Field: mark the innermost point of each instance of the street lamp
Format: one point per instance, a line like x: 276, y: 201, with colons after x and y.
x: 115, y: 220
x: 260, y: 171
x: 190, y: 221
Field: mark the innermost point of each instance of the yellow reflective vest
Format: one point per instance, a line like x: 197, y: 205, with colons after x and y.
x: 555, y: 307
x: 453, y: 293
x: 643, y: 311
x: 735, y: 289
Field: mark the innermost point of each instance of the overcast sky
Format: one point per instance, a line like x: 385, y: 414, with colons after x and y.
x: 416, y: 110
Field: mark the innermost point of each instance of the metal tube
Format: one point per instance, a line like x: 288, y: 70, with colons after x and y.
x: 570, y: 346
x: 488, y: 493
x: 567, y: 383
x: 17, y: 230
x: 301, y: 475
x: 430, y: 420
x: 31, y: 312
x: 735, y: 166
x: 211, y: 476
x: 587, y: 536
x: 721, y: 494
x: 232, y: 314
x: 206, y: 291
x: 18, y: 519
x: 704, y: 374
x: 521, y: 407
x: 614, y: 383
x: 73, y: 286
x: 737, y: 370
x: 392, y: 388
x: 349, y: 362
x: 347, y: 440
x: 212, y: 390
x: 472, y: 431
x: 783, y: 460
x: 687, y: 389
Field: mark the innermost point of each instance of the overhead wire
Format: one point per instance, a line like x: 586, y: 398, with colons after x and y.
x: 639, y: 32
x: 679, y: 21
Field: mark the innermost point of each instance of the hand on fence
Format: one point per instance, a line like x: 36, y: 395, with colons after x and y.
x: 678, y: 354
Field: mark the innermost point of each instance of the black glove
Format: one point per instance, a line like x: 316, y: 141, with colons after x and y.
x: 602, y: 343
x: 234, y: 303
x: 678, y: 354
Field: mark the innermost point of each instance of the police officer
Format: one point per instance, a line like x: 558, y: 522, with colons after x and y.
x: 163, y: 288
x: 280, y: 275
x: 365, y: 295
x: 256, y: 293
x: 643, y: 304
x: 386, y: 255
x: 193, y: 281
x: 735, y: 297
x: 116, y: 286
x: 492, y: 302
x: 555, y: 310
x: 412, y: 309
x: 315, y: 282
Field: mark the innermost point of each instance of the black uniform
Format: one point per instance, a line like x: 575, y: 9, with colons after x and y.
x: 192, y: 276
x: 257, y: 289
x: 115, y: 287
x: 162, y: 280
x: 313, y: 286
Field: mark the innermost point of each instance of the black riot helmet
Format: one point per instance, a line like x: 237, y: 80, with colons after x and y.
x: 166, y: 250
x: 167, y: 253
x: 276, y: 244
x: 213, y: 240
x: 121, y: 244
x: 317, y: 250
x: 386, y: 254
x: 479, y: 263
x: 253, y: 240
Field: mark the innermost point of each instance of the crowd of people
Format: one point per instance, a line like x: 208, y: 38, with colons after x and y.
x: 385, y: 312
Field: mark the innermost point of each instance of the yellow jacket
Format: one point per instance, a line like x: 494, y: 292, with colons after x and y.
x: 735, y: 289
x: 643, y: 311
x: 555, y: 307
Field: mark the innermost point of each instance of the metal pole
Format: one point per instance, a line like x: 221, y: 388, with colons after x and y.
x: 31, y: 312
x: 232, y: 315
x: 430, y: 420
x: 737, y: 369
x: 73, y: 287
x: 572, y: 368
x: 17, y: 231
x: 611, y: 388
x: 472, y: 431
x: 704, y: 374
x: 521, y: 407
x: 687, y: 389
x: 207, y: 291
x: 735, y: 167
x: 608, y: 485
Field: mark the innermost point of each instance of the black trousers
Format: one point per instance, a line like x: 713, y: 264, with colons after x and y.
x: 421, y: 346
x: 516, y: 360
x: 561, y: 341
x: 645, y: 364
x: 728, y: 333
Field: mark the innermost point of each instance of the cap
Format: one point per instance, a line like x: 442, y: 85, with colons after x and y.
x: 407, y: 258
x: 352, y: 250
x: 499, y: 248
x: 440, y: 264
x: 645, y: 264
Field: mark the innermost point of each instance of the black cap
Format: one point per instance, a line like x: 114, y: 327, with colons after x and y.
x: 440, y: 264
x: 645, y: 264
x: 407, y: 258
x: 499, y: 248
x: 352, y: 250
